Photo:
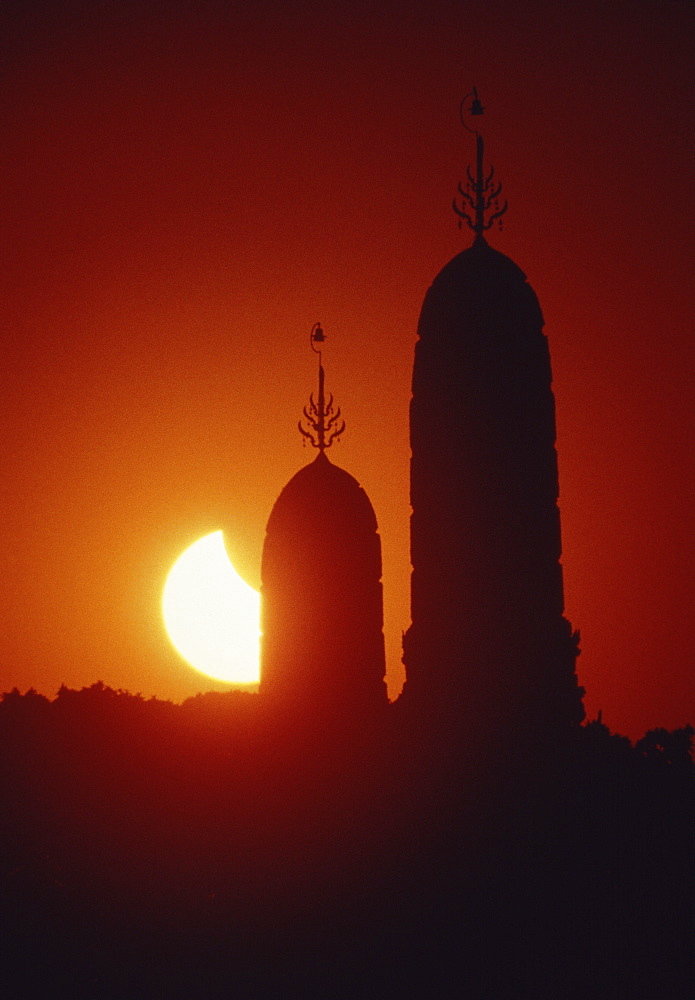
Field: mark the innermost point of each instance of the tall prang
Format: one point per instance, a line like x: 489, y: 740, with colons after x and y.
x: 322, y: 643
x: 489, y: 644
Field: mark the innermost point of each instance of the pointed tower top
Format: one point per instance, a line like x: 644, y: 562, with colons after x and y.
x: 322, y: 424
x: 480, y: 205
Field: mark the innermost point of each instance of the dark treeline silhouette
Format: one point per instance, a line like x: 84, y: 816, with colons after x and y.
x: 218, y: 849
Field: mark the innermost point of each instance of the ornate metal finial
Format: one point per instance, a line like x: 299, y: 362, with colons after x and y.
x: 322, y: 424
x: 480, y: 195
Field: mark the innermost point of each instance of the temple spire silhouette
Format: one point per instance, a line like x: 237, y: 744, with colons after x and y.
x: 489, y: 647
x: 322, y: 424
x: 480, y: 206
x: 322, y: 645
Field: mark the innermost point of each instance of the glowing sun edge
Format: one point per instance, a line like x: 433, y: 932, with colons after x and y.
x: 211, y: 615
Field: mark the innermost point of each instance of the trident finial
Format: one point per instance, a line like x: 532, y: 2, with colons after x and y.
x: 480, y: 194
x: 322, y: 424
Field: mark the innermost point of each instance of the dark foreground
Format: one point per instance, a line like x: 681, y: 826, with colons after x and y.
x: 152, y: 850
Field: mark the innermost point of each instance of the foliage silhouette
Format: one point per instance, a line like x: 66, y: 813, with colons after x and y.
x: 205, y: 849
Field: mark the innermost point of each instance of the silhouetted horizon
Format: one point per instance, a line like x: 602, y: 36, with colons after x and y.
x: 158, y: 849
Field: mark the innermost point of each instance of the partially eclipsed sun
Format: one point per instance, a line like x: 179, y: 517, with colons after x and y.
x: 212, y: 615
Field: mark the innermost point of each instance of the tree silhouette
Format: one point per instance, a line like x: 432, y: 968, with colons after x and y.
x: 151, y: 848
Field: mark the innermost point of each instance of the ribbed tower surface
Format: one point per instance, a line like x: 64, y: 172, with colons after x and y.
x: 488, y: 632
x: 321, y: 597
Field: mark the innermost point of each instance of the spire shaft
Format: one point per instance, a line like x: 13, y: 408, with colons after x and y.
x: 321, y: 425
x: 479, y: 199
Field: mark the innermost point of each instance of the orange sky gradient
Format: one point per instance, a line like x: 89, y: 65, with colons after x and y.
x: 187, y: 188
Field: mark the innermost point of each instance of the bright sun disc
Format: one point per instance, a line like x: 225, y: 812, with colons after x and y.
x: 212, y: 616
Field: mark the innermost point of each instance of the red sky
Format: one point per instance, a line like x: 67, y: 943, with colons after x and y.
x: 187, y: 188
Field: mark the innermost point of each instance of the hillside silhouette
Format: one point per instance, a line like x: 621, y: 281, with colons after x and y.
x: 215, y: 849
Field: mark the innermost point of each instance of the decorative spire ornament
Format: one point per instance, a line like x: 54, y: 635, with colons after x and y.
x: 322, y: 424
x: 480, y: 206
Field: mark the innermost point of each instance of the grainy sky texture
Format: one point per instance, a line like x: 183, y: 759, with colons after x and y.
x: 188, y: 187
